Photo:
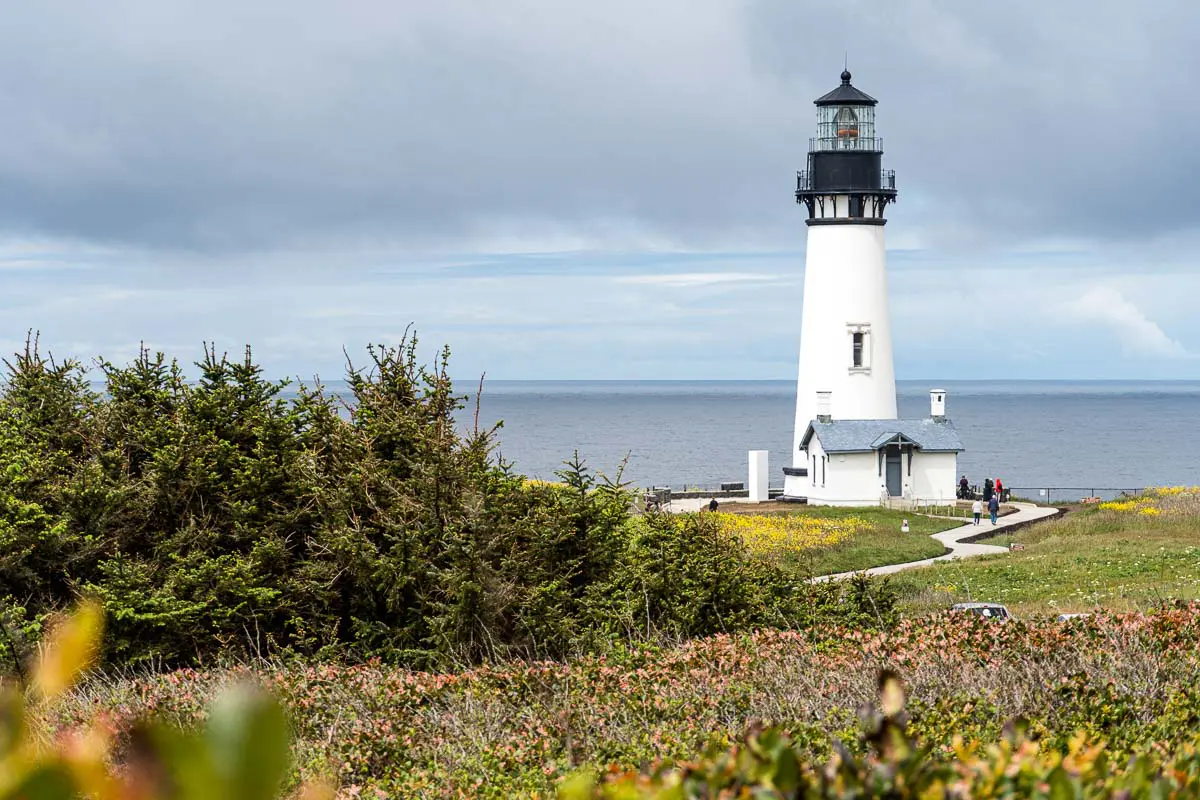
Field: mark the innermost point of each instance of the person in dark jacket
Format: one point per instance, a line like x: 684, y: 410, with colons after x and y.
x: 713, y: 504
x: 994, y: 507
x: 964, y: 488
x: 987, y: 490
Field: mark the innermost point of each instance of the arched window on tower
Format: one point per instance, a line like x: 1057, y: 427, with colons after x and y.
x: 846, y: 125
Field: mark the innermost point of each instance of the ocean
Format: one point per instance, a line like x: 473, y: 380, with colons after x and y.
x: 1033, y: 435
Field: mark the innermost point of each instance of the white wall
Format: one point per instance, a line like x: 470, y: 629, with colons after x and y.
x: 854, y: 479
x: 850, y: 478
x: 758, y: 485
x: 795, y: 486
x: 935, y: 477
x: 845, y: 282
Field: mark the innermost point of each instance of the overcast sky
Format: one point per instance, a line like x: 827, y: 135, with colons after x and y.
x: 561, y: 189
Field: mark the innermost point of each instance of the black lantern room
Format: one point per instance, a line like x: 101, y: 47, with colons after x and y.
x: 845, y: 181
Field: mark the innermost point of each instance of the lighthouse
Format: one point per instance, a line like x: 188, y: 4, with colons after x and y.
x: 846, y: 388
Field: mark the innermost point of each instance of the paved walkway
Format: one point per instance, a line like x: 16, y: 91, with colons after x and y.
x: 953, y: 540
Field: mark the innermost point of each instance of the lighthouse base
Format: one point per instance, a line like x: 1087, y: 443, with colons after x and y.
x: 795, y: 484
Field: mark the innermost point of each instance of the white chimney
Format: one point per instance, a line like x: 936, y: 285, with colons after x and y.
x: 937, y: 404
x: 824, y: 405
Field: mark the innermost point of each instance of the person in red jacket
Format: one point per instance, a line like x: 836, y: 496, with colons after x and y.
x: 1000, y: 489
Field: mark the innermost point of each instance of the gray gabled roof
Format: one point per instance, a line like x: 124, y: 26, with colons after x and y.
x: 865, y: 435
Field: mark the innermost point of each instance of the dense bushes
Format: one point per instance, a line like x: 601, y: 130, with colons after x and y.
x: 218, y: 517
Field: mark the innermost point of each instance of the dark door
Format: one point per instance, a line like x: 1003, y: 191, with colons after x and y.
x: 894, y: 483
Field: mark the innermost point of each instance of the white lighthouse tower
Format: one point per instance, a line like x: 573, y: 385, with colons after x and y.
x: 846, y: 367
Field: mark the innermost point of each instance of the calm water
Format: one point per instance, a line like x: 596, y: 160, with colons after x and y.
x: 1030, y: 433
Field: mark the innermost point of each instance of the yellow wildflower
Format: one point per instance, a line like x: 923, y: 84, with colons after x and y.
x: 775, y: 535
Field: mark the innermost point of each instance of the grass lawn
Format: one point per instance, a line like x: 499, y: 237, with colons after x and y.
x: 1089, y: 559
x: 882, y: 543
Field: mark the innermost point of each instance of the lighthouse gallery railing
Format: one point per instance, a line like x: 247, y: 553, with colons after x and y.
x: 887, y: 180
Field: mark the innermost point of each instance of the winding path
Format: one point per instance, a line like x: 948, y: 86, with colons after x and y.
x: 954, y: 538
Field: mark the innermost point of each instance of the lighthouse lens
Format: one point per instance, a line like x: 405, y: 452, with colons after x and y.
x: 845, y: 127
x: 847, y: 123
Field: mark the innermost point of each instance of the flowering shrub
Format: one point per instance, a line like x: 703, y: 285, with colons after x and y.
x: 765, y: 764
x: 1120, y: 505
x: 777, y: 535
x: 240, y: 754
x: 1155, y: 500
x: 519, y: 729
x: 1172, y: 491
x: 542, y: 483
x: 1110, y: 710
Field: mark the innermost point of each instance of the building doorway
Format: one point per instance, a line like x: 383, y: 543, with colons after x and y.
x: 895, y: 482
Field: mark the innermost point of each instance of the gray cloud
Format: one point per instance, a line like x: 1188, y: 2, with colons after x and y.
x: 1023, y: 119
x: 378, y: 125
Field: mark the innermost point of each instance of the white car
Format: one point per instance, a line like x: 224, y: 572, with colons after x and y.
x: 985, y: 610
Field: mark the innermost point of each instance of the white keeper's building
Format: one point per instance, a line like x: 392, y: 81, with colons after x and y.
x: 849, y: 446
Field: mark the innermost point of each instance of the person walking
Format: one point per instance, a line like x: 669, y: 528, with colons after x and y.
x: 994, y: 507
x: 713, y: 505
x: 987, y: 490
x: 964, y: 486
x: 977, y: 510
x: 1000, y: 490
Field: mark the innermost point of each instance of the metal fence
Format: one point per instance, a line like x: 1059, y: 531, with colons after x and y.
x: 1038, y: 494
x: 718, y: 488
x: 1069, y: 494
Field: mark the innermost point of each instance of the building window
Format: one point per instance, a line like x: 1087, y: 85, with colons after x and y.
x: 813, y: 473
x: 823, y: 460
x: 856, y: 205
x: 860, y: 347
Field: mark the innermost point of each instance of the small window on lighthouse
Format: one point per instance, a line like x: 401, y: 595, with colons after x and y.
x: 857, y: 351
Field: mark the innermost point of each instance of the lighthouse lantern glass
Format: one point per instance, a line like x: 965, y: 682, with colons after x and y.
x: 845, y: 127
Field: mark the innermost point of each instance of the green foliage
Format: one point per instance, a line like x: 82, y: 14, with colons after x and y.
x: 764, y: 764
x: 220, y: 518
x: 240, y: 753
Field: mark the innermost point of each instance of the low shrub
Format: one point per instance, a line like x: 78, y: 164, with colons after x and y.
x: 241, y: 752
x: 517, y: 729
x: 406, y: 735
x: 893, y: 764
